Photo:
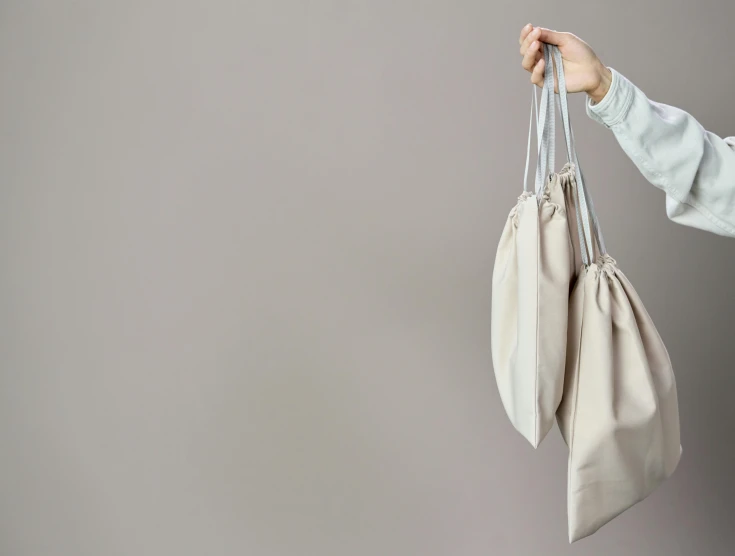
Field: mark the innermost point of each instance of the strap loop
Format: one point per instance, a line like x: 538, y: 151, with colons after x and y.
x: 585, y: 205
x: 545, y: 130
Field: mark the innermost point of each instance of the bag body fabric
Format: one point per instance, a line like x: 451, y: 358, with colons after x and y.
x: 534, y: 266
x: 619, y: 414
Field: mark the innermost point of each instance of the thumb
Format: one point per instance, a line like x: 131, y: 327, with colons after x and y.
x: 553, y: 37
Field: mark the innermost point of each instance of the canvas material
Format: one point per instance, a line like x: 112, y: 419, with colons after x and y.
x: 619, y: 412
x: 533, y: 270
x: 530, y: 291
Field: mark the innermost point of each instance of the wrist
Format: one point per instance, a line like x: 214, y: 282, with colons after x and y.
x: 602, y: 84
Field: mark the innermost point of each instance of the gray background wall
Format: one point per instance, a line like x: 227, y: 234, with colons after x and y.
x: 245, y: 287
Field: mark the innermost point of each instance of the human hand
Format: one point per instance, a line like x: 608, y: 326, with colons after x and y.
x: 583, y: 70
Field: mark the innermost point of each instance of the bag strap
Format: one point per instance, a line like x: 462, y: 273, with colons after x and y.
x: 585, y: 205
x: 599, y: 238
x: 545, y: 130
x: 579, y: 199
x: 547, y: 159
x: 534, y: 108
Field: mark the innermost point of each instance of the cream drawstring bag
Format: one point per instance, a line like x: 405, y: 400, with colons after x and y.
x: 533, y: 270
x: 619, y: 414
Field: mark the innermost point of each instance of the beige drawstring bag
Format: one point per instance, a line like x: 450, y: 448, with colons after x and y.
x: 531, y: 280
x: 619, y: 414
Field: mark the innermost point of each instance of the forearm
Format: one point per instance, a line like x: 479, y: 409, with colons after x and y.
x: 674, y: 152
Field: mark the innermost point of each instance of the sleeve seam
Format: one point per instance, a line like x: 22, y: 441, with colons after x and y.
x: 729, y: 230
x: 627, y: 103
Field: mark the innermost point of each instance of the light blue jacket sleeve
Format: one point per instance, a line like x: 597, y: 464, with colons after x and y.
x: 694, y: 167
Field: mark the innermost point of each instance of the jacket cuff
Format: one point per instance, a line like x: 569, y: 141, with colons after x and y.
x: 613, y: 108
